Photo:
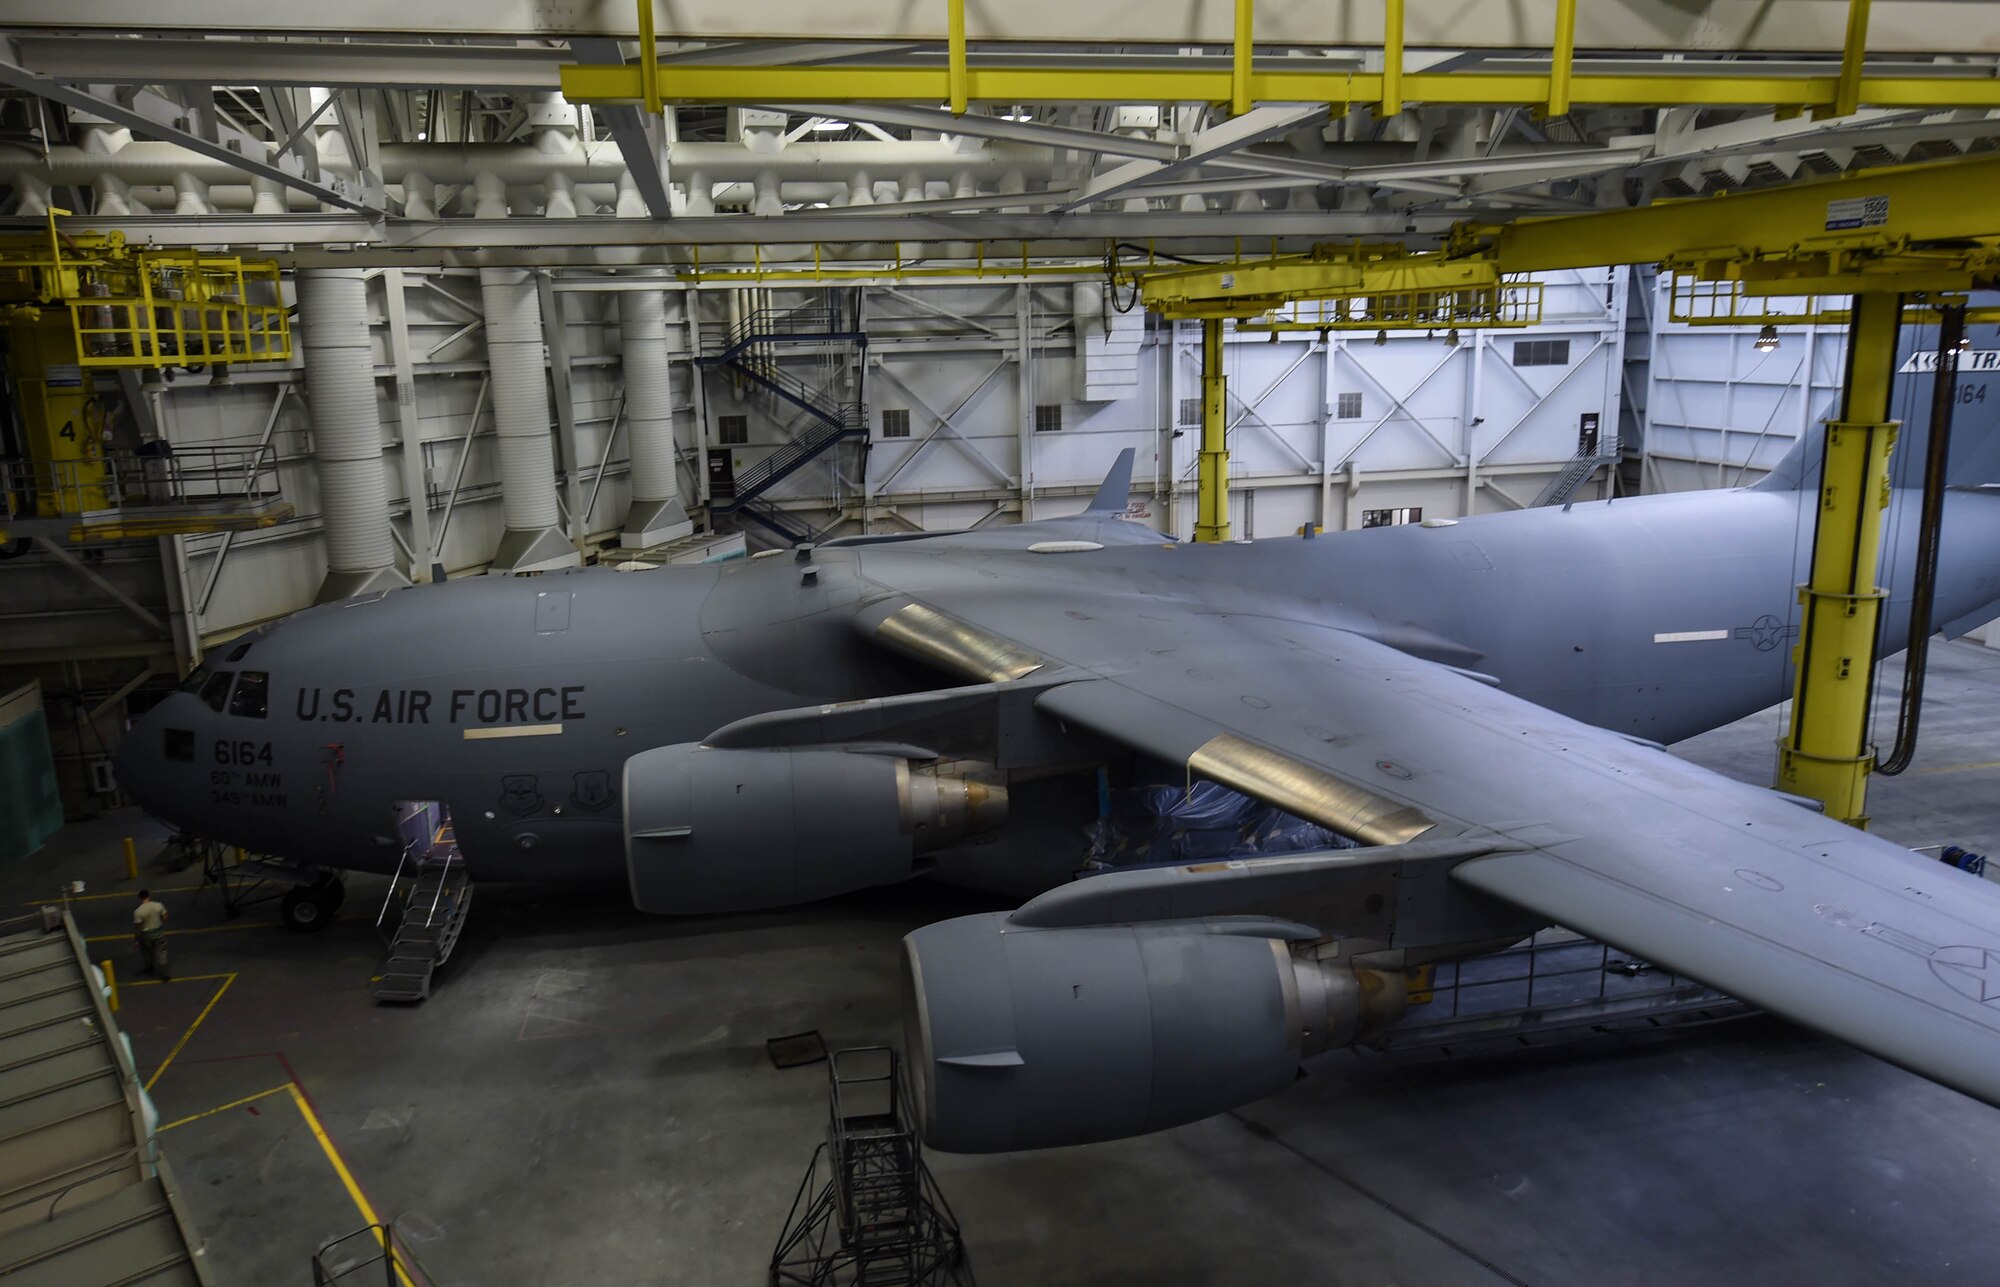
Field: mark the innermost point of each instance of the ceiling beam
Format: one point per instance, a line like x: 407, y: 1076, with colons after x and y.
x: 152, y: 114
x: 636, y: 131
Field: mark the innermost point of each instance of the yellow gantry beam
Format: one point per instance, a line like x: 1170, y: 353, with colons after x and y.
x: 1825, y: 753
x: 1391, y: 88
x: 1874, y: 210
x: 1251, y: 287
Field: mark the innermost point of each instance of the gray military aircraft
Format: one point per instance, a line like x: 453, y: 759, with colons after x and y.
x: 1479, y: 705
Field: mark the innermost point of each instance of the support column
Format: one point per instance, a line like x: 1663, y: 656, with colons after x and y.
x: 532, y: 542
x: 1211, y: 518
x: 347, y: 434
x: 657, y: 515
x: 1825, y: 753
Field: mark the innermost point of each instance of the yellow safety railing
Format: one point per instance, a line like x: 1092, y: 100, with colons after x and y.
x: 1504, y: 305
x: 133, y: 307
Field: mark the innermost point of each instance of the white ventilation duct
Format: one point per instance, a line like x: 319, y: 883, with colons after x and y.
x: 533, y: 542
x: 657, y: 514
x: 347, y: 433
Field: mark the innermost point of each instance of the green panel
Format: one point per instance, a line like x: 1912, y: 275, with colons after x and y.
x: 30, y: 805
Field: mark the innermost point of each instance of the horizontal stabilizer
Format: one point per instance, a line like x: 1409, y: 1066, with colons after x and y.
x: 1224, y: 887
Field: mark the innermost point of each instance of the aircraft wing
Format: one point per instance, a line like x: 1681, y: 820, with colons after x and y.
x: 1724, y: 882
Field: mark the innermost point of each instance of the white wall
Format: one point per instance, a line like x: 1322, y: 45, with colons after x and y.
x: 1719, y: 412
x: 1453, y: 430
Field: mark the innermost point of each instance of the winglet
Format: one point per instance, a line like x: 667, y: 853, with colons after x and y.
x: 1115, y: 492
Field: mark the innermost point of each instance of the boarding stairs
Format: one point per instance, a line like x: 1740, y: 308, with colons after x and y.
x: 1579, y: 469
x: 756, y: 350
x: 434, y: 904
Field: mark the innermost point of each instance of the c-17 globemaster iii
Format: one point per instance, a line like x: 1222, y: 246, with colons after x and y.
x: 1478, y: 705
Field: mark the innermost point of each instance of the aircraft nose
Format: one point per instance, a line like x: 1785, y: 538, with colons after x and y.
x: 156, y: 759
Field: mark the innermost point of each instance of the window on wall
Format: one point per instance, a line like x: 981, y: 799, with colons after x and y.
x: 895, y: 422
x: 1048, y: 417
x: 1541, y: 352
x: 732, y: 431
x: 1392, y: 517
x: 1190, y: 411
x: 1348, y: 406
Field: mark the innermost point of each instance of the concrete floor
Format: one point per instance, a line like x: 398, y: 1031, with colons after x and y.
x: 586, y: 1099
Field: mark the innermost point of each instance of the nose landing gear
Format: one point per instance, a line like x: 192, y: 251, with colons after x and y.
x: 306, y: 908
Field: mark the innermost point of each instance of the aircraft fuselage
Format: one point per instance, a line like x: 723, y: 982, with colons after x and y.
x: 517, y: 701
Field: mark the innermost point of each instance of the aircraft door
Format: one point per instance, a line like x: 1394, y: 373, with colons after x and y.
x: 721, y: 474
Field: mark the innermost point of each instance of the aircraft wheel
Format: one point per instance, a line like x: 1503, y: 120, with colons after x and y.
x: 305, y: 909
x: 332, y: 891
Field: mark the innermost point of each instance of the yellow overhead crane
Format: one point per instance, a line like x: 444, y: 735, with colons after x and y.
x: 960, y: 79
x: 73, y: 305
x: 1892, y: 239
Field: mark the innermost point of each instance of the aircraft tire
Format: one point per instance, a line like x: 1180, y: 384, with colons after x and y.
x: 331, y: 891
x: 306, y: 910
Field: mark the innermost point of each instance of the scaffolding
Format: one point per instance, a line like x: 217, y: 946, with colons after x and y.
x: 868, y: 1212
x: 149, y: 308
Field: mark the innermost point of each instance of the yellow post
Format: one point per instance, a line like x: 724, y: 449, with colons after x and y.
x: 955, y: 70
x: 649, y: 59
x: 1239, y: 66
x: 1562, y: 57
x: 110, y: 982
x: 1211, y: 517
x: 1825, y: 753
x: 1847, y: 89
x: 1392, y: 58
x: 131, y: 860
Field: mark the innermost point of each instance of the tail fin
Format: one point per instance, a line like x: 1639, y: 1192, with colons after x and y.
x: 1114, y: 494
x: 1975, y: 444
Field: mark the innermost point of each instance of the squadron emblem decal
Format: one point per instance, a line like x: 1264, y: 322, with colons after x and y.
x: 519, y: 794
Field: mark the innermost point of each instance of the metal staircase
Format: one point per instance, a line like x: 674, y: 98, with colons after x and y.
x: 1575, y: 473
x: 755, y: 350
x: 868, y: 1211
x: 434, y: 908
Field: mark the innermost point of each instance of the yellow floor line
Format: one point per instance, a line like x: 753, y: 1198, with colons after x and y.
x: 185, y: 978
x: 234, y: 1103
x: 312, y: 1122
x: 190, y: 1031
x: 199, y: 929
x: 1960, y: 768
x: 340, y: 1167
x: 123, y: 893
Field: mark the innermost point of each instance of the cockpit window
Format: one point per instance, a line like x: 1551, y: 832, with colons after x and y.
x: 252, y: 693
x: 236, y: 653
x: 196, y: 678
x: 216, y: 691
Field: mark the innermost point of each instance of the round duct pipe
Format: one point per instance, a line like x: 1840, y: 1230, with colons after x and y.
x: 657, y: 514
x: 347, y: 433
x: 533, y: 541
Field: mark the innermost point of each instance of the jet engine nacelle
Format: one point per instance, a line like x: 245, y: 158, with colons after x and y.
x: 1036, y: 1038
x: 710, y: 830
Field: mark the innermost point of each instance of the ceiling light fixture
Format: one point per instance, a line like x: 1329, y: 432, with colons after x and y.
x: 1767, y: 339
x: 1381, y: 338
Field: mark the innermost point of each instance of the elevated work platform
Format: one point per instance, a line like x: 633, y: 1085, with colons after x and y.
x: 85, y: 1197
x: 122, y: 496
